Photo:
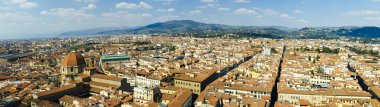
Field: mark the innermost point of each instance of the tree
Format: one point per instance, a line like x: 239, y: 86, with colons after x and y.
x: 319, y: 69
x: 273, y: 50
x: 318, y: 57
x: 328, y: 50
x: 309, y: 58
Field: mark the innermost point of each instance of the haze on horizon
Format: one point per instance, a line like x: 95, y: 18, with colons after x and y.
x: 29, y: 18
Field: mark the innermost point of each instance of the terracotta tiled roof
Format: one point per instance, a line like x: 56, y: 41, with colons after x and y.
x: 73, y: 59
x: 56, y: 90
x: 45, y: 103
x: 303, y: 102
x: 67, y: 99
x: 103, y: 84
x: 100, y: 76
x: 95, y: 90
x: 180, y: 99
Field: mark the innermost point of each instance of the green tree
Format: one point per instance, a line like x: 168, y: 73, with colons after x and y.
x: 273, y: 50
x: 318, y: 57
x: 309, y: 58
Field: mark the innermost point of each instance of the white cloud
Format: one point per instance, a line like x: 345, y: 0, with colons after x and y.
x: 284, y: 15
x: 245, y: 11
x: 146, y: 15
x: 271, y: 12
x: 87, y: 1
x: 209, y: 5
x: 242, y: 1
x: 24, y: 3
x: 89, y: 7
x: 195, y: 12
x: 123, y: 14
x: 166, y: 10
x: 28, y: 5
x: 67, y: 13
x: 16, y: 18
x: 166, y: 17
x: 124, y: 5
x: 362, y: 13
x: 16, y: 1
x: 302, y: 21
x: 212, y: 5
x: 125, y: 18
x: 264, y: 13
x: 208, y: 1
x: 298, y: 11
x: 223, y: 9
x: 373, y: 18
x: 11, y: 23
x: 166, y: 0
x: 260, y: 16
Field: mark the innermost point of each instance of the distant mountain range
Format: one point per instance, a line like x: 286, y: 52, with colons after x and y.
x: 189, y: 27
x: 94, y: 31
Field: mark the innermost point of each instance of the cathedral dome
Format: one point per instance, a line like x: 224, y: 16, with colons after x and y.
x: 73, y: 59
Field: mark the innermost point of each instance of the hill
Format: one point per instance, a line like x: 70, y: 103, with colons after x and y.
x: 371, y: 32
x: 198, y: 29
x: 94, y: 31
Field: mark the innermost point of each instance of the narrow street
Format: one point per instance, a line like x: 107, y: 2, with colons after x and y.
x: 359, y: 79
x: 228, y: 69
x: 274, y: 94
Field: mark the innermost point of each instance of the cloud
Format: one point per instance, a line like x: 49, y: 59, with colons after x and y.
x: 242, y: 1
x: 24, y: 3
x: 11, y: 23
x: 298, y: 12
x: 302, y: 21
x: 260, y: 13
x: 195, y: 12
x: 223, y: 9
x: 89, y: 7
x: 16, y: 18
x: 166, y: 10
x: 166, y: 17
x: 124, y: 5
x: 271, y: 12
x: 373, y: 18
x: 166, y: 0
x: 361, y: 13
x: 87, y: 1
x: 375, y: 0
x: 245, y: 11
x: 123, y: 14
x: 67, y: 13
x: 125, y: 18
x: 208, y: 1
x: 209, y: 5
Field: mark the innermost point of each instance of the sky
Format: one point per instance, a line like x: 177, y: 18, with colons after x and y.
x: 35, y: 18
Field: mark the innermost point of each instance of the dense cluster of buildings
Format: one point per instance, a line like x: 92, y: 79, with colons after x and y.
x: 131, y: 71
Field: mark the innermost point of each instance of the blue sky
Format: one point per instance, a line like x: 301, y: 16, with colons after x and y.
x: 25, y: 18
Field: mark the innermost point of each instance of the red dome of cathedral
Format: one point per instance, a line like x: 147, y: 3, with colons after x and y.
x: 73, y: 59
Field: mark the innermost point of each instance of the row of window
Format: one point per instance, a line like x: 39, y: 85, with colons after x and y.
x: 106, y: 81
x: 187, y: 83
x: 252, y: 92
